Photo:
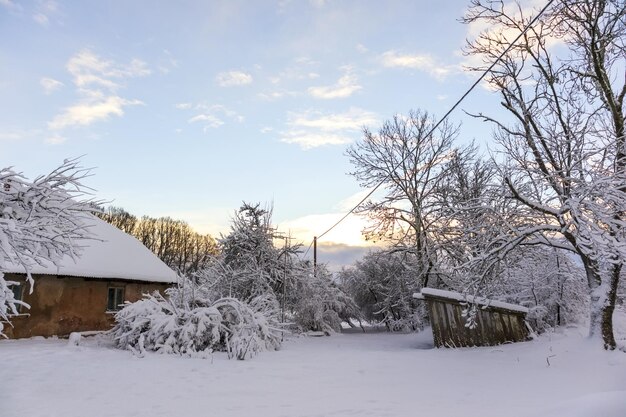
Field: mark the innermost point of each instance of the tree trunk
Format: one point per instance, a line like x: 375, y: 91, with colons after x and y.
x: 607, y: 312
x: 592, y: 270
x: 603, y: 296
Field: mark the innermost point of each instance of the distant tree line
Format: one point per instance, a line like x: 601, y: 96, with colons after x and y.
x: 173, y: 241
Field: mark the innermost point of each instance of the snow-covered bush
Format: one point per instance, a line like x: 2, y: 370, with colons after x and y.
x: 382, y: 285
x: 155, y: 323
x: 319, y: 304
x: 187, y: 321
x: 250, y: 328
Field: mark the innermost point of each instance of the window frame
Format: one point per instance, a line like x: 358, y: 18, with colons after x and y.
x: 17, y: 296
x: 119, y: 293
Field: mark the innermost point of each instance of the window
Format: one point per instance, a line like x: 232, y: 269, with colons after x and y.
x: 115, y: 298
x: 18, y: 292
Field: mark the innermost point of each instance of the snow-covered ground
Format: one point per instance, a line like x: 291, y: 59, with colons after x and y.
x: 377, y: 374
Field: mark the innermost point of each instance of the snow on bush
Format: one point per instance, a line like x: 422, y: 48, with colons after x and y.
x: 187, y: 322
x: 382, y: 284
x: 319, y: 304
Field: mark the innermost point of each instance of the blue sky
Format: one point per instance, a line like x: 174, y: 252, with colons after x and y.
x: 188, y: 108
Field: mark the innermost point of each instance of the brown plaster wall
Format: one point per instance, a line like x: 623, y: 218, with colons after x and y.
x: 61, y: 305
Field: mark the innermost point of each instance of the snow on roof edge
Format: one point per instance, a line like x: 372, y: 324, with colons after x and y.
x: 456, y: 296
x: 39, y: 271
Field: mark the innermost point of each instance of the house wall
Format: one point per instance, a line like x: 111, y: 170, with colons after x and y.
x: 61, y: 305
x: 494, y: 325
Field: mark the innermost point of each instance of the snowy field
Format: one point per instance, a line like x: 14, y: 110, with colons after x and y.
x: 355, y: 374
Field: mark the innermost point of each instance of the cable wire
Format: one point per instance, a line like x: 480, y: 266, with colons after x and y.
x: 308, y: 249
x: 431, y: 131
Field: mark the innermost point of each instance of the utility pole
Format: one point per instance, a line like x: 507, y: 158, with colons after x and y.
x: 315, y: 256
x: 284, y: 285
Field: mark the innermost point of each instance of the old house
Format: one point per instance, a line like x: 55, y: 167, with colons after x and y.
x: 84, y: 294
x: 496, y: 322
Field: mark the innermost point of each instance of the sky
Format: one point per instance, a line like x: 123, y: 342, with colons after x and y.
x: 186, y: 109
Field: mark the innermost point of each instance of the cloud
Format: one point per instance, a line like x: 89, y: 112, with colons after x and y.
x: 361, y: 48
x: 338, y: 255
x: 342, y: 246
x: 319, y: 3
x: 167, y: 62
x: 208, y: 120
x: 421, y: 62
x: 353, y: 120
x: 505, y: 35
x: 183, y: 106
x: 41, y: 18
x: 313, y: 129
x: 277, y: 95
x: 89, y: 70
x: 302, y: 68
x: 310, y: 140
x: 345, y: 87
x: 233, y: 78
x: 10, y: 5
x: 348, y: 203
x: 45, y: 10
x: 211, y: 116
x: 527, y: 8
x: 97, y: 81
x: 50, y: 85
x: 348, y: 232
x: 89, y: 111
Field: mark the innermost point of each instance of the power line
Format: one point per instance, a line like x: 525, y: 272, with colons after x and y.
x: 445, y: 116
x: 308, y: 249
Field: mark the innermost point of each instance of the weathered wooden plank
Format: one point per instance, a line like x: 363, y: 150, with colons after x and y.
x: 434, y: 323
x: 494, y: 325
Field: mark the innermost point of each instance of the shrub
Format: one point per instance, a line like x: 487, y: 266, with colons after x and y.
x: 194, y: 326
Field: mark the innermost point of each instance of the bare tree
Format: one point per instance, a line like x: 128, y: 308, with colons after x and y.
x: 472, y: 209
x: 411, y: 164
x: 173, y: 241
x: 563, y: 154
x: 40, y: 220
x: 119, y: 218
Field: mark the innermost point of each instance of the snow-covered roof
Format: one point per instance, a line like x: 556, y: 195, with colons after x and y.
x: 456, y: 296
x: 108, y: 253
